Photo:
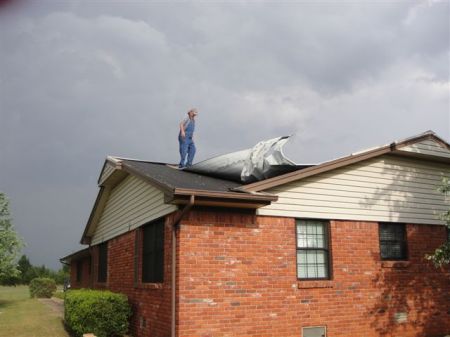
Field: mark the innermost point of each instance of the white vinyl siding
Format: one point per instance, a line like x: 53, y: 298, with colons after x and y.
x: 107, y: 171
x: 429, y: 147
x: 130, y: 204
x: 386, y: 188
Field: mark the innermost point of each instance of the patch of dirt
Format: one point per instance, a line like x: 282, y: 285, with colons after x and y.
x: 56, y: 304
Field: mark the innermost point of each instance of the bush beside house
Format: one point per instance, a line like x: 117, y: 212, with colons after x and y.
x: 102, y: 313
x: 42, y: 287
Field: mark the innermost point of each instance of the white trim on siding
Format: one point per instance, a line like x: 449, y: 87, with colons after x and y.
x: 429, y: 147
x: 131, y: 204
x: 385, y: 188
x: 107, y: 171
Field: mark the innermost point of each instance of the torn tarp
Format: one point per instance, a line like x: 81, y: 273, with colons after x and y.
x: 264, y: 160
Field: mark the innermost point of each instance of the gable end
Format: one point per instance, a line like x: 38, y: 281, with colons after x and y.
x: 132, y: 203
x: 429, y: 147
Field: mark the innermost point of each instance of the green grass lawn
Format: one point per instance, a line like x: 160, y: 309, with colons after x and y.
x: 21, y: 316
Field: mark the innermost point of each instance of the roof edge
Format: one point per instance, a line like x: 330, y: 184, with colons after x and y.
x: 85, y: 240
x: 114, y: 161
x: 324, y: 167
x: 254, y: 196
x: 79, y: 253
x: 339, y: 162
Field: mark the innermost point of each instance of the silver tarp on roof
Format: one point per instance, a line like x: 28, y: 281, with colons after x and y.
x: 264, y: 160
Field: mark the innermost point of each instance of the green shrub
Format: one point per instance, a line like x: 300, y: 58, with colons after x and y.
x: 42, y: 287
x: 59, y: 294
x: 102, y: 313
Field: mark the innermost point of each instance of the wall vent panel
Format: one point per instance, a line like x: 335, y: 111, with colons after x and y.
x: 314, y: 331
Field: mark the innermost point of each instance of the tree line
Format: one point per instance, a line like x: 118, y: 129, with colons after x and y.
x: 27, y: 272
x: 15, y: 270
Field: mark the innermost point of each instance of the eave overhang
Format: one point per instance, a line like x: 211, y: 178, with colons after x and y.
x: 221, y: 199
x: 83, y: 253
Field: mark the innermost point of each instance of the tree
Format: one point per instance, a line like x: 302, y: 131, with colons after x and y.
x: 27, y: 272
x: 10, y: 243
x: 62, y: 274
x: 24, y: 264
x: 441, y: 255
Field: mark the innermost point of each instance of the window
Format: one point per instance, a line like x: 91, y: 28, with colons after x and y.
x: 153, y: 252
x: 102, y: 262
x: 393, y: 241
x: 79, y: 270
x: 448, y: 234
x: 312, y: 250
x: 317, y: 331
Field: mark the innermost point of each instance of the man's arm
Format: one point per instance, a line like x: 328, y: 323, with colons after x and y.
x: 182, y: 131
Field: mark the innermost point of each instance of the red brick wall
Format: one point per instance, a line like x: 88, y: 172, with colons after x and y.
x: 237, y: 277
x: 151, y: 303
x: 73, y: 274
x: 85, y: 273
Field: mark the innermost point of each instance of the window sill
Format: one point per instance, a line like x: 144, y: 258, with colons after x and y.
x: 150, y: 285
x: 395, y: 264
x: 315, y: 284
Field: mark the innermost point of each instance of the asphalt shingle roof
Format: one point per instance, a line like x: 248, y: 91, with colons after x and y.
x: 174, y: 178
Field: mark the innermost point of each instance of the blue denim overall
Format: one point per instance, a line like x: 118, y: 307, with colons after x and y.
x: 187, y: 145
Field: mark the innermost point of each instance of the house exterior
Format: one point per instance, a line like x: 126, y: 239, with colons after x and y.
x: 335, y: 249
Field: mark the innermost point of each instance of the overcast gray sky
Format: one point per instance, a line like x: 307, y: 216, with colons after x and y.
x: 83, y: 79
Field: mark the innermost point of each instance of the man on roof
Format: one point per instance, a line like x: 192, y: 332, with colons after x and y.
x: 186, y: 139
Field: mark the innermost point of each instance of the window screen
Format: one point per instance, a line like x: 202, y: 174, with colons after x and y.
x: 312, y: 249
x: 102, y: 262
x: 153, y: 252
x: 317, y: 331
x: 393, y: 241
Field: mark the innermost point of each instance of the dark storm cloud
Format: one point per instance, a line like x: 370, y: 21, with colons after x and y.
x: 81, y: 79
